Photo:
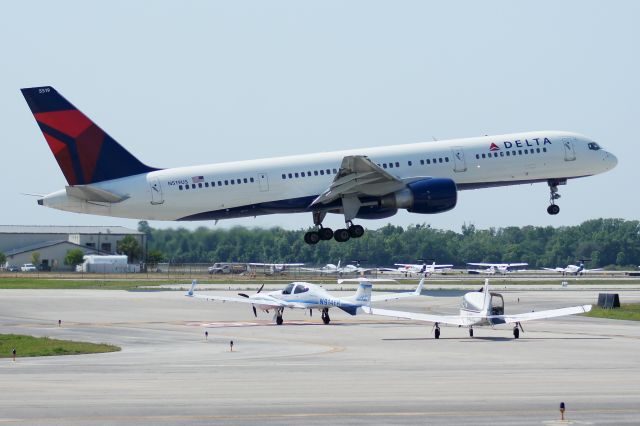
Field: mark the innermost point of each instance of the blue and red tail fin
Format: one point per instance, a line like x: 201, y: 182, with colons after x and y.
x: 85, y: 153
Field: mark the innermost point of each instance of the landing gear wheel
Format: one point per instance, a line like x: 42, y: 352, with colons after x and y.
x: 516, y: 332
x: 356, y: 231
x: 279, y: 320
x: 312, y: 237
x: 553, y: 209
x: 470, y: 332
x: 325, y: 316
x: 341, y: 235
x: 325, y: 234
x: 436, y: 333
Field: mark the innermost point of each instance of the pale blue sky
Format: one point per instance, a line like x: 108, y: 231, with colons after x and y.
x: 191, y: 82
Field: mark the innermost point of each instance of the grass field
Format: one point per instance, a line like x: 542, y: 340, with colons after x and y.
x: 627, y: 311
x: 28, y: 346
x: 132, y: 282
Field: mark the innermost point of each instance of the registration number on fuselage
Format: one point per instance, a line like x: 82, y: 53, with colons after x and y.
x: 329, y: 302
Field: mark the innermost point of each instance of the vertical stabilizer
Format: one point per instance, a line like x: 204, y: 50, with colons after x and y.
x: 85, y: 153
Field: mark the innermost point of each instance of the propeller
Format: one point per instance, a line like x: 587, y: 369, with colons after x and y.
x: 255, y: 311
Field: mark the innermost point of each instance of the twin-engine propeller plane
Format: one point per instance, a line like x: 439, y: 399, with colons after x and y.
x: 365, y: 183
x: 578, y: 269
x: 302, y: 295
x: 495, y: 268
x: 480, y: 308
x: 423, y: 268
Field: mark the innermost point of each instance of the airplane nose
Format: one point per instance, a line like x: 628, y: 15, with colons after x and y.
x: 610, y: 160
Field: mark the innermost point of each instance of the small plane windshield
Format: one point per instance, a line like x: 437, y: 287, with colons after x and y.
x: 593, y: 146
x: 288, y: 289
x: 300, y: 289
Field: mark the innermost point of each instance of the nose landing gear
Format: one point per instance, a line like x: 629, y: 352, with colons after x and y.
x: 553, y: 208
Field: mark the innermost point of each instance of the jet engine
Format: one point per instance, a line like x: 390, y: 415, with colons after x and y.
x: 425, y: 196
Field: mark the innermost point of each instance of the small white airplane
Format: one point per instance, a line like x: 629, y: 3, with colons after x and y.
x: 480, y: 308
x: 330, y: 268
x: 417, y: 269
x: 578, y: 269
x: 103, y: 178
x: 272, y: 268
x: 302, y: 295
x: 496, y: 268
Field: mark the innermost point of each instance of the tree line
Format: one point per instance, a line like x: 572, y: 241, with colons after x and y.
x: 611, y: 243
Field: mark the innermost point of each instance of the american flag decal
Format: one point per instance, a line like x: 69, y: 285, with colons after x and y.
x: 197, y: 179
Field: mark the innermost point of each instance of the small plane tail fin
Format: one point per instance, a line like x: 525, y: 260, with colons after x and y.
x: 84, y: 152
x: 194, y: 283
x: 418, y: 289
x: 363, y: 293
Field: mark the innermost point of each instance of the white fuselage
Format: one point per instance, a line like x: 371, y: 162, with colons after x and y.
x: 290, y: 184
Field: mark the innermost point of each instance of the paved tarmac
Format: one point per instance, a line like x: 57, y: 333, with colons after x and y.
x: 357, y: 370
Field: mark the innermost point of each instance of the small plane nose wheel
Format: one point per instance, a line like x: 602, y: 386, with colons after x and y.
x: 470, y: 331
x: 436, y: 331
x: 516, y: 332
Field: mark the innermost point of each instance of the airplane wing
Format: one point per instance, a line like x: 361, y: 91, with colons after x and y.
x: 593, y: 270
x: 358, y: 175
x: 484, y: 264
x: 440, y: 319
x: 529, y: 316
x: 395, y: 296
x: 555, y: 269
x: 264, y: 301
x: 517, y: 264
x: 275, y: 264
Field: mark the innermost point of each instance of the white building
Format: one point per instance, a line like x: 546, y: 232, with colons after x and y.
x: 19, y: 242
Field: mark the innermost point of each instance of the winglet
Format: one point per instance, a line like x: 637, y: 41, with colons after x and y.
x: 194, y: 283
x: 418, y: 289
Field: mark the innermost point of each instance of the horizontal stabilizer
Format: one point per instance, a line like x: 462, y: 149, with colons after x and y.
x: 91, y: 193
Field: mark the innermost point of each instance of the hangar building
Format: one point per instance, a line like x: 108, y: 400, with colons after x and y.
x: 19, y: 242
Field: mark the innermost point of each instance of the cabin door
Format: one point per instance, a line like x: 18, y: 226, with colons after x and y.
x: 459, y: 163
x: 156, y: 191
x: 569, y: 150
x: 263, y: 180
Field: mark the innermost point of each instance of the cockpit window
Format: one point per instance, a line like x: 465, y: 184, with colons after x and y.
x: 594, y: 146
x: 288, y: 289
x: 300, y: 289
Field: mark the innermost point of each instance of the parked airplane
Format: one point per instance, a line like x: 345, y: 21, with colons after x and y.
x: 495, y: 268
x: 414, y: 268
x: 330, y: 268
x: 273, y: 268
x: 367, y: 183
x: 302, y: 295
x: 578, y: 269
x: 480, y: 308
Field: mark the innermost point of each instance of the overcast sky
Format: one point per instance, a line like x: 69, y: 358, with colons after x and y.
x: 191, y: 82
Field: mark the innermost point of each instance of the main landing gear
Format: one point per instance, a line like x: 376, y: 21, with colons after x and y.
x: 325, y: 234
x: 325, y: 316
x: 553, y: 208
x: 516, y: 330
x: 279, y: 319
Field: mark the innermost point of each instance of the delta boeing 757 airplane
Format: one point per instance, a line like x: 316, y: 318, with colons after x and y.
x: 368, y: 183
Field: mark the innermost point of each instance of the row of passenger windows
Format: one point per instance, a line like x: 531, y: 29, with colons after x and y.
x: 308, y: 174
x: 213, y: 184
x: 512, y: 153
x: 390, y: 165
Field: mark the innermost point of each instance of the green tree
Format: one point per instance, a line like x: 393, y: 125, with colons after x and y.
x: 74, y: 257
x: 155, y: 256
x: 3, y: 258
x: 35, y: 258
x: 130, y: 246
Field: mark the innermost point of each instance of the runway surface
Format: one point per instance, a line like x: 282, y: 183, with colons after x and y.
x: 357, y: 370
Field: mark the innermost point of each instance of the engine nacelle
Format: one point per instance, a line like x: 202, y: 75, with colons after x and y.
x: 375, y: 212
x: 426, y: 196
